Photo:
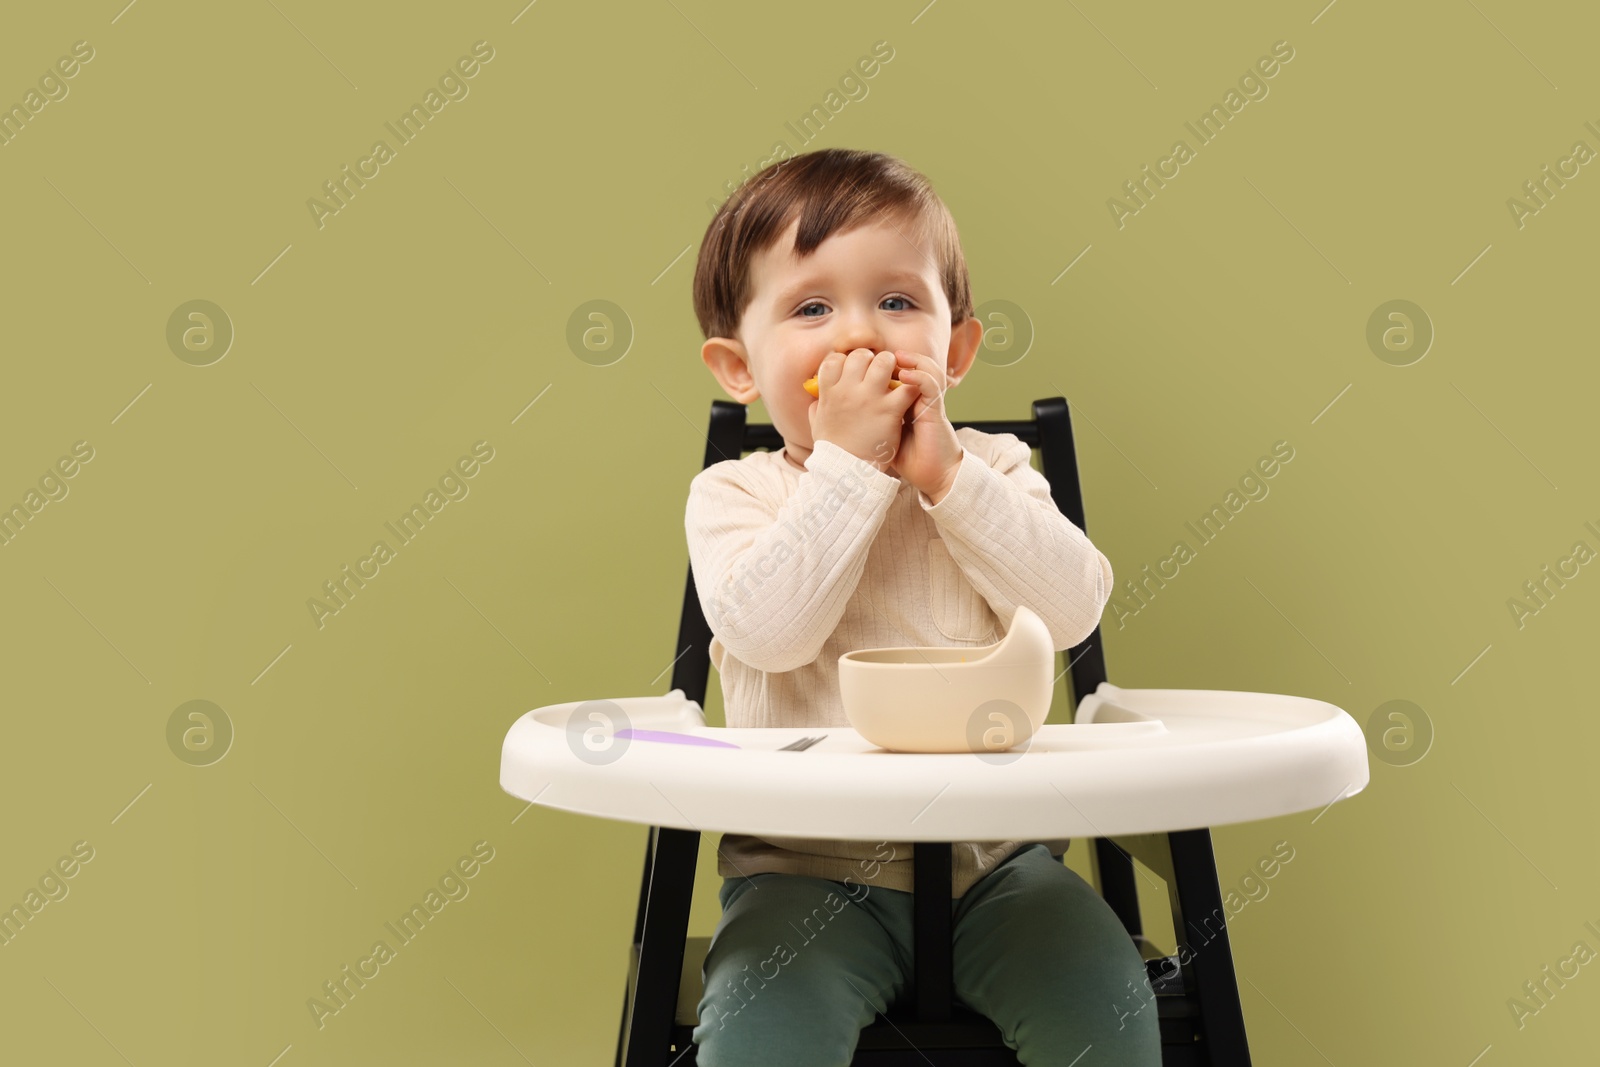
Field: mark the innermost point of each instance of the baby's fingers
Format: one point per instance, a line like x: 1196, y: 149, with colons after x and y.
x: 921, y: 382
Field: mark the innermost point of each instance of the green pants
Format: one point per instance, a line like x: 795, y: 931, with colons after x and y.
x: 798, y: 965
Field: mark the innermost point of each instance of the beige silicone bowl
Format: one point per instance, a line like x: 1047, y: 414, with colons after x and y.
x: 942, y: 699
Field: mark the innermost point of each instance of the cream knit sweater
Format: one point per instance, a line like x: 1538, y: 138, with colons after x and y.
x: 795, y: 567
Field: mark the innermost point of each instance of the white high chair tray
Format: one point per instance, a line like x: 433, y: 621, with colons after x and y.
x: 1134, y: 761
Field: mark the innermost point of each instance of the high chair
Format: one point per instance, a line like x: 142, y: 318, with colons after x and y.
x: 1197, y: 1004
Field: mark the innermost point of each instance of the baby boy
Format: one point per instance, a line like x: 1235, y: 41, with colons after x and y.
x: 877, y: 524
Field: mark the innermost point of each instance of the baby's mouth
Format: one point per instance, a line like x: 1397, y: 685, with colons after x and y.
x: 810, y: 385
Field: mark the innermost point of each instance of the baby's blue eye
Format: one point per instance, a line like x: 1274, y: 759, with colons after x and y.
x: 816, y: 303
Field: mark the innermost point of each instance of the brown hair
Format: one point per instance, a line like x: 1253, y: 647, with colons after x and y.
x: 833, y: 190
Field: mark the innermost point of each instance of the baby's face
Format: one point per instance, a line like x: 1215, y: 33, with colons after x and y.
x: 875, y: 287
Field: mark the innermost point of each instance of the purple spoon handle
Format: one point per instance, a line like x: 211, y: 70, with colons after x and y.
x: 672, y: 738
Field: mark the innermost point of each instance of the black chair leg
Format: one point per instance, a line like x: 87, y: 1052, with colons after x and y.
x: 669, y: 880
x: 934, y: 946
x: 638, y: 933
x: 1208, y: 973
x: 1117, y: 884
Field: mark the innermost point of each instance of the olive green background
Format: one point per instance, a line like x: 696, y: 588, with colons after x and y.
x: 432, y: 312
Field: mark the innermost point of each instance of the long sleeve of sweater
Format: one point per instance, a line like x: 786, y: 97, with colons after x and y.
x: 1001, y: 525
x: 774, y: 577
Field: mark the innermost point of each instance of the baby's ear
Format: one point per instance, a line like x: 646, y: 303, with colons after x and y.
x: 966, y: 337
x: 730, y: 365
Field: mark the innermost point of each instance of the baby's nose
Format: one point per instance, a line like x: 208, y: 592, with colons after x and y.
x: 854, y: 330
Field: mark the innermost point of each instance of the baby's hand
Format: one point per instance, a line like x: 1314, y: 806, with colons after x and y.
x: 929, y: 453
x: 856, y: 407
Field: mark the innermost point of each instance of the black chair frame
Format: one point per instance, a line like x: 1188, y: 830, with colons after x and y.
x: 1201, y: 1020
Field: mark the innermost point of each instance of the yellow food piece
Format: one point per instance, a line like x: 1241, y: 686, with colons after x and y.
x: 810, y: 385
